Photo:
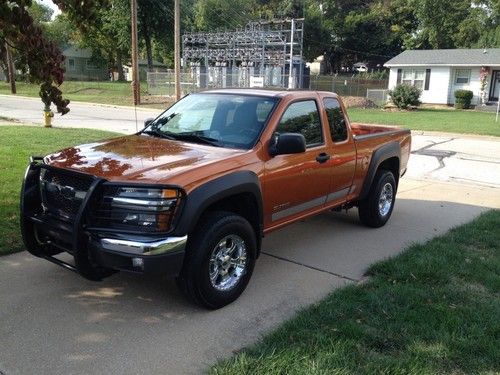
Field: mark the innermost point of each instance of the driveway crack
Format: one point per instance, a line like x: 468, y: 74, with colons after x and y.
x: 311, y: 267
x: 440, y: 155
x: 432, y: 145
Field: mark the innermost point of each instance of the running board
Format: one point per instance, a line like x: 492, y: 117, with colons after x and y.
x: 60, y: 263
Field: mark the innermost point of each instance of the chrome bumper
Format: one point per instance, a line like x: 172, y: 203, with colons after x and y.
x: 168, y: 245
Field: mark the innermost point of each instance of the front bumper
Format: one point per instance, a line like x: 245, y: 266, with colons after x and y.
x: 162, y: 257
x: 45, y: 236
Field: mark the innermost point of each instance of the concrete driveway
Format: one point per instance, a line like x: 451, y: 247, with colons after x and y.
x: 54, y: 322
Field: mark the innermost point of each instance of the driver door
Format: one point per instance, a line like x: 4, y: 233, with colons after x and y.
x: 297, y: 183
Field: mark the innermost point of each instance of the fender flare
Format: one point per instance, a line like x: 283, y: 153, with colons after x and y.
x: 198, y: 200
x: 383, y: 153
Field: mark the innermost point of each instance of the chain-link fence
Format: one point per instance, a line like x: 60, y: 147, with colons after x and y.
x: 346, y: 86
x: 163, y: 83
x: 379, y: 97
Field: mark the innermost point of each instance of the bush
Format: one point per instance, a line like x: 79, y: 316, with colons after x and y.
x: 463, y: 99
x: 404, y: 96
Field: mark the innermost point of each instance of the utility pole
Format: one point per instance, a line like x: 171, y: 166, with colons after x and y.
x: 136, y: 88
x: 290, y: 72
x: 177, y: 49
x: 10, y: 68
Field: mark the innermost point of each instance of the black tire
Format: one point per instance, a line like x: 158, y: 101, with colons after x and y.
x: 369, y: 212
x: 194, y: 280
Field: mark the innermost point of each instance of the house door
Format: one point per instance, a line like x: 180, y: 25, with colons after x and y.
x: 495, y: 86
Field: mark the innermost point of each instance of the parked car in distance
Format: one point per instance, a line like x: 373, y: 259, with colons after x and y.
x: 194, y: 192
x: 360, y: 67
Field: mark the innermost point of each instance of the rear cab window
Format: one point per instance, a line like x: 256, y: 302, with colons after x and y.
x: 303, y: 117
x: 336, y: 120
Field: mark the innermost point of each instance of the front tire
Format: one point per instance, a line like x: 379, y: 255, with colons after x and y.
x: 376, y: 209
x: 220, y: 258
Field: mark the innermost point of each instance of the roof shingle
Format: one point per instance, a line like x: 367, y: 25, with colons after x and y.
x: 478, y: 57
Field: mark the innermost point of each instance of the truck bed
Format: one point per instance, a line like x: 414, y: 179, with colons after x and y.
x: 361, y: 130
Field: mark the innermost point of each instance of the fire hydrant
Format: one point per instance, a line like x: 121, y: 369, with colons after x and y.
x: 47, y: 115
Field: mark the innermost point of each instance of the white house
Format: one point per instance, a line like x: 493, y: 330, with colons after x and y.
x: 439, y: 73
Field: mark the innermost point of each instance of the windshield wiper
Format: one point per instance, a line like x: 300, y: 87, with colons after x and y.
x: 194, y: 137
x: 159, y: 134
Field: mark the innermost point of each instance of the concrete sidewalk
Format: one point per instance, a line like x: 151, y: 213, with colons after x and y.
x: 54, y: 322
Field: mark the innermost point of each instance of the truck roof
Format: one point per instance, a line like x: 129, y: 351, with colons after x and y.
x: 270, y: 92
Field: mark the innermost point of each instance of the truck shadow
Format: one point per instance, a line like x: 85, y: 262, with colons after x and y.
x: 86, y: 323
x: 333, y: 242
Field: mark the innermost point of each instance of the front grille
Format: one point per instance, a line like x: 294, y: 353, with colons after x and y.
x: 62, y: 193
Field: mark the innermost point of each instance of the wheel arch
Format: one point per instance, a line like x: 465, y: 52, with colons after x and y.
x: 386, y: 157
x: 237, y: 192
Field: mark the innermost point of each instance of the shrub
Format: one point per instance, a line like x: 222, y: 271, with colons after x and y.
x: 404, y: 96
x: 463, y: 99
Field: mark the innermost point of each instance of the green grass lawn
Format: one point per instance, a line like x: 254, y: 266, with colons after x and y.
x: 434, y: 309
x: 442, y: 120
x: 118, y: 93
x: 17, y: 143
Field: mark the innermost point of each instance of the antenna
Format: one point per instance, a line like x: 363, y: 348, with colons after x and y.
x: 135, y: 113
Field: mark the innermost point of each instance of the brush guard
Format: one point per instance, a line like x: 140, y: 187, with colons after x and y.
x: 32, y: 217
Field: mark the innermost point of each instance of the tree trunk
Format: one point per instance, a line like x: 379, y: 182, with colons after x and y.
x: 149, y: 51
x: 10, y: 67
x: 119, y: 66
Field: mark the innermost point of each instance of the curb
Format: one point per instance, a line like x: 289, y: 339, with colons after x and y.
x: 455, y: 135
x: 91, y: 104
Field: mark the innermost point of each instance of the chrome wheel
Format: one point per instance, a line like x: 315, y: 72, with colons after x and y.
x: 385, y: 200
x: 228, y: 262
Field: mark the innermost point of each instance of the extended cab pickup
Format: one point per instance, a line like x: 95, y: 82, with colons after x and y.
x: 193, y: 193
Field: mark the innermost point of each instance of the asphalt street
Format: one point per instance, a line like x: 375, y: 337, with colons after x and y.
x: 82, y: 115
x: 54, y: 322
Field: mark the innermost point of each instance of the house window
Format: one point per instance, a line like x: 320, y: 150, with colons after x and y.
x: 414, y: 77
x: 462, y: 76
x: 91, y: 65
x: 71, y: 64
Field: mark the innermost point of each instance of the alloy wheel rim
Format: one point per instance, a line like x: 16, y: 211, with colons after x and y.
x: 385, y: 199
x: 228, y: 262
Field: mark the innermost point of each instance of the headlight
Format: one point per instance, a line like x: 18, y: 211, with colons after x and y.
x: 137, y: 208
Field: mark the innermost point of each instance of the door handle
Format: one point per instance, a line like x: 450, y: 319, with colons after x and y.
x: 323, y: 157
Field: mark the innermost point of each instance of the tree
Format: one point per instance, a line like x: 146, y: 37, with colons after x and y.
x: 108, y: 37
x: 40, y: 57
x: 453, y: 23
x: 211, y: 15
x: 40, y: 13
x: 154, y: 20
x: 44, y: 59
x: 60, y: 30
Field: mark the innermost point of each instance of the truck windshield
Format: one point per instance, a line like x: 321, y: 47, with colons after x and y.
x: 223, y: 120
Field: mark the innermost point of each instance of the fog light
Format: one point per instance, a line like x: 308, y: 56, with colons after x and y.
x: 138, y: 263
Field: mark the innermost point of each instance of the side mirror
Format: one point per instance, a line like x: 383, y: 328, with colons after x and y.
x: 148, y: 121
x: 287, y: 143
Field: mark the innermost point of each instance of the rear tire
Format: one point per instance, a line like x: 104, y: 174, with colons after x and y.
x: 376, y: 209
x: 220, y: 258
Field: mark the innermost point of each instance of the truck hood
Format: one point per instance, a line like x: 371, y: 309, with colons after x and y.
x: 138, y: 158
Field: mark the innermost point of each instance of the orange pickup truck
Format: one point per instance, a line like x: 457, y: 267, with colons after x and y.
x: 194, y: 192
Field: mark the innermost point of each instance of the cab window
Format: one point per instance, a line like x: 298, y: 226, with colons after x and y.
x: 336, y: 120
x: 302, y: 117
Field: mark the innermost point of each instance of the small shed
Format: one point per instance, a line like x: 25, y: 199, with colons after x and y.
x: 143, y: 69
x: 439, y: 73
